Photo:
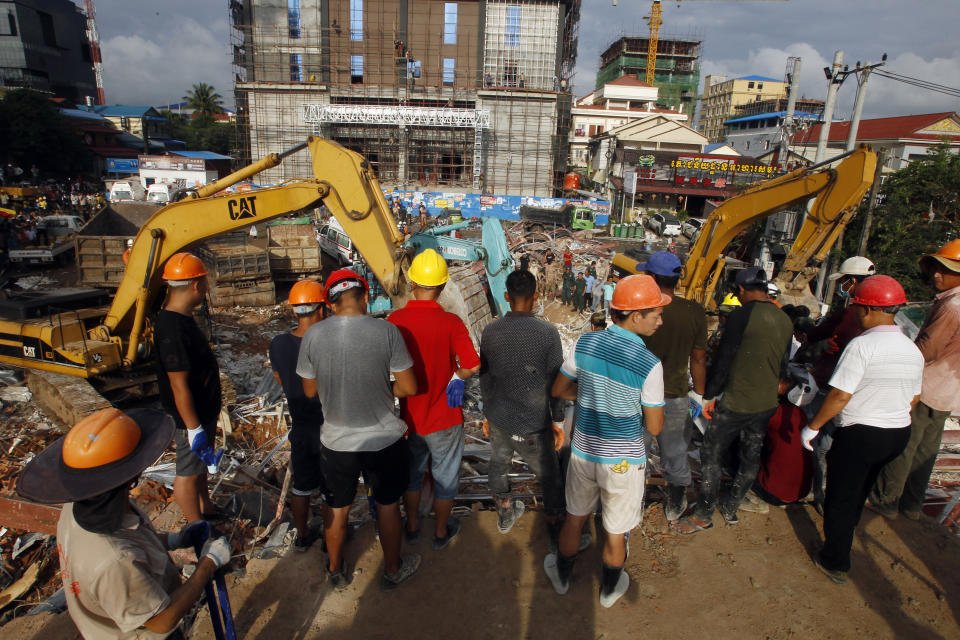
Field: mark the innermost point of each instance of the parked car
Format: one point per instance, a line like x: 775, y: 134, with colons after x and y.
x: 664, y: 224
x: 691, y: 226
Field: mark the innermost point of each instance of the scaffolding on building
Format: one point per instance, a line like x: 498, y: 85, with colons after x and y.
x: 436, y: 95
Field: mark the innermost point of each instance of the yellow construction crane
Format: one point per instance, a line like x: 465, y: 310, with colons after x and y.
x: 654, y: 19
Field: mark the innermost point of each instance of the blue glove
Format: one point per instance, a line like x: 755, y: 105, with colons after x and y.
x: 696, y: 404
x: 192, y: 534
x: 199, y: 445
x: 455, y: 391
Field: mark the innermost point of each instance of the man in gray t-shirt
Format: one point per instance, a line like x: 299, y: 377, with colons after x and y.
x: 347, y: 361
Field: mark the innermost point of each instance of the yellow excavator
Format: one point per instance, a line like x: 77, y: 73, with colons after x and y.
x: 836, y: 192
x: 91, y: 343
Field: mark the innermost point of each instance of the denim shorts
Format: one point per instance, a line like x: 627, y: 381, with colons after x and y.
x: 446, y: 449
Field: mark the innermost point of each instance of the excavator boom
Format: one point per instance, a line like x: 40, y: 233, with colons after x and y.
x: 837, y: 193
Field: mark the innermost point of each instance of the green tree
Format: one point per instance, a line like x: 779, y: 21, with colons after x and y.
x: 204, y: 99
x: 202, y: 133
x: 902, y: 230
x: 33, y: 131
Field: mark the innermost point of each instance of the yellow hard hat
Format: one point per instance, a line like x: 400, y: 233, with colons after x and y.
x: 428, y: 269
x: 731, y: 301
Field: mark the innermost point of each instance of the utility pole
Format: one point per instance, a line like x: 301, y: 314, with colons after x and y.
x: 862, y: 75
x: 872, y: 202
x: 793, y: 75
x: 834, y: 80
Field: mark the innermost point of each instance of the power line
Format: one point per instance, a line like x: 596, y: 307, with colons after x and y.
x: 922, y: 84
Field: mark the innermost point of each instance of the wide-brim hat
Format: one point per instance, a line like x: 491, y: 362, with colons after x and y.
x: 46, y: 479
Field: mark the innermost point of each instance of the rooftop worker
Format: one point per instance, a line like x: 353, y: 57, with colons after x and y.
x: 443, y: 357
x: 618, y: 386
x: 520, y: 356
x: 839, y: 328
x: 119, y: 579
x: 681, y: 340
x: 746, y: 369
x: 346, y: 361
x: 903, y: 482
x: 306, y: 414
x: 189, y: 380
x: 874, y: 388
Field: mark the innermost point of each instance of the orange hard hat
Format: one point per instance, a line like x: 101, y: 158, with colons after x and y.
x: 306, y: 292
x: 99, y: 439
x: 638, y: 292
x: 948, y: 255
x: 183, y: 266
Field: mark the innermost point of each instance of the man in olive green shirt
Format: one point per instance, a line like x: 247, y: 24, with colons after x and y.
x: 746, y: 371
x: 681, y: 340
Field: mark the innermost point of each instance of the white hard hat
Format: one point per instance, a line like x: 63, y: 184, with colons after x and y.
x: 772, y: 289
x: 855, y: 266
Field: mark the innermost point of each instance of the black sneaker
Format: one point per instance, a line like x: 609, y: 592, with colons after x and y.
x: 341, y: 579
x: 453, y: 529
x: 730, y: 517
x: 302, y: 543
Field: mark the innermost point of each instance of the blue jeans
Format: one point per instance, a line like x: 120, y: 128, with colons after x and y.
x: 445, y: 448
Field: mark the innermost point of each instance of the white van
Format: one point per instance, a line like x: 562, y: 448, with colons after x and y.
x: 336, y: 243
x: 127, y: 190
x: 161, y: 192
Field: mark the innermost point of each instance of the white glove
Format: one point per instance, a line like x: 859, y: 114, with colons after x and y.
x: 807, y: 436
x: 217, y: 550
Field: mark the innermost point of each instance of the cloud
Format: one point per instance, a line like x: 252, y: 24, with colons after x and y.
x: 744, y: 38
x: 159, y: 68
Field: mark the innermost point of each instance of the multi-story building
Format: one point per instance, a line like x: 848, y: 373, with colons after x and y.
x: 618, y: 102
x: 677, y: 73
x: 44, y: 46
x: 469, y: 95
x: 721, y: 97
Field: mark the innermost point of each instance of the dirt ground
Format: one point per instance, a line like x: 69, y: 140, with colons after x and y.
x: 751, y: 580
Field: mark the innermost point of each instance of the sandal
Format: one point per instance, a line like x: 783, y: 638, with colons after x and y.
x: 690, y: 525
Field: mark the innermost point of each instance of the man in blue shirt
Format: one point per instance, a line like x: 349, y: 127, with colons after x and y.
x: 618, y: 386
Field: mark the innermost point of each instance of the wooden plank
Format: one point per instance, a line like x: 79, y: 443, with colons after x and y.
x: 28, y: 516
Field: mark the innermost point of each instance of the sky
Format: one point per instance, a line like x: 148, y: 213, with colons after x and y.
x: 153, y: 52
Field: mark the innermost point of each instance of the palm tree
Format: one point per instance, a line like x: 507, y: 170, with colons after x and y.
x: 204, y: 100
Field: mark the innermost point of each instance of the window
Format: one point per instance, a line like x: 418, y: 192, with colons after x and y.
x: 46, y: 27
x: 759, y: 86
x: 449, y: 65
x: 296, y: 67
x: 293, y: 17
x: 749, y: 85
x: 8, y: 25
x: 356, y: 69
x: 450, y: 23
x: 356, y: 21
x: 513, y: 27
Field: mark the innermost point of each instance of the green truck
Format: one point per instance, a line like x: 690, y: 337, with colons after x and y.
x: 568, y: 216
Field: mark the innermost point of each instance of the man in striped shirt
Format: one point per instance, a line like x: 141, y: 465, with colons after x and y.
x: 618, y: 385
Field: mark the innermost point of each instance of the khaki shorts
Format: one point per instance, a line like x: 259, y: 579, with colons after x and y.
x: 618, y: 487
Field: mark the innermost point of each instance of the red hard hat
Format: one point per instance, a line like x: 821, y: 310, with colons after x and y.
x: 306, y: 292
x: 637, y: 292
x: 342, y: 277
x: 183, y: 266
x: 879, y: 291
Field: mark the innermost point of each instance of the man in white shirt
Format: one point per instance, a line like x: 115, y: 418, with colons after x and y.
x: 873, y: 389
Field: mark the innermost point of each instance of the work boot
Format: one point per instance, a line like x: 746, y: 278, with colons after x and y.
x: 676, y: 502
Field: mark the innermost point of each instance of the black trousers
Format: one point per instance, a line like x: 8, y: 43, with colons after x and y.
x: 854, y: 461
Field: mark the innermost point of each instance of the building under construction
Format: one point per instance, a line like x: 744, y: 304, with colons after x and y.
x: 470, y: 95
x: 677, y: 73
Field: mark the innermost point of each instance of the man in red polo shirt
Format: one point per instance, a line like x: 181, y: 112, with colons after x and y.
x: 443, y: 357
